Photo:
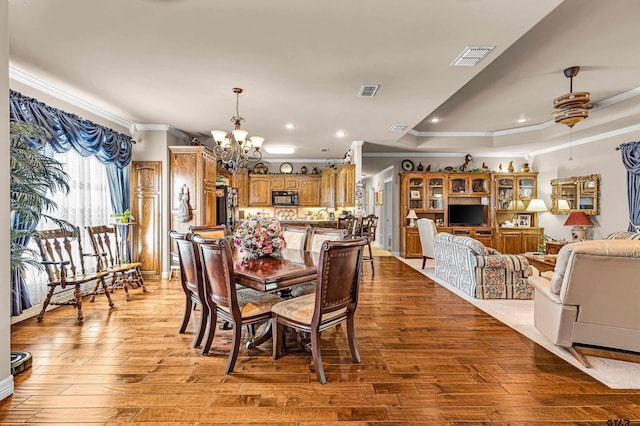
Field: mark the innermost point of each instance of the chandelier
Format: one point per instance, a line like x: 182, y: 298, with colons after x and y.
x: 572, y: 107
x: 233, y: 148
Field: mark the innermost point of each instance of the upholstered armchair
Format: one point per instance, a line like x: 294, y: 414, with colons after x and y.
x: 592, y: 297
x: 480, y: 271
x: 427, y: 231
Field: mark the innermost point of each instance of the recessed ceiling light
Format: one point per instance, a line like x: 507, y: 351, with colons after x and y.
x: 521, y: 120
x: 280, y: 149
x: 435, y: 120
x: 290, y: 126
x: 341, y: 134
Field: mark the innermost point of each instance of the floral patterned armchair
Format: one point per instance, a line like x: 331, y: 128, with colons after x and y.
x: 480, y: 271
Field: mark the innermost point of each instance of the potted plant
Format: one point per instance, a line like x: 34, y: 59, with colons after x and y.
x: 33, y: 176
x: 124, y: 217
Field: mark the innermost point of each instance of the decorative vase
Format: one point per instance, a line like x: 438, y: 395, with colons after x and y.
x: 420, y: 167
x: 510, y: 168
x: 525, y: 167
x: 303, y: 170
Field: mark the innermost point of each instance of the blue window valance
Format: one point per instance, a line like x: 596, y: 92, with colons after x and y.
x: 69, y: 130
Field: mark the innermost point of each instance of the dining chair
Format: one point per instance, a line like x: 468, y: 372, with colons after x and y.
x: 367, y: 229
x: 334, y: 301
x: 111, y: 259
x: 427, y: 231
x: 192, y: 284
x: 296, y: 237
x: 239, y: 307
x: 348, y: 222
x: 318, y: 236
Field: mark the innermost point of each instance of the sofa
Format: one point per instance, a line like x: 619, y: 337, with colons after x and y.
x: 480, y: 271
x: 592, y: 297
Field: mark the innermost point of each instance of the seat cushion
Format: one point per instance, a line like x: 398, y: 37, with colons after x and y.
x: 300, y: 309
x: 302, y: 289
x: 253, y: 303
x: 295, y: 240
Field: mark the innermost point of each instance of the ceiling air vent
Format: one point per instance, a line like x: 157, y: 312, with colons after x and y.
x: 471, y: 55
x: 398, y: 128
x: 368, y: 90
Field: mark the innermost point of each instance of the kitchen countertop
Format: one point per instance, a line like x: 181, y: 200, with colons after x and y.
x: 315, y: 223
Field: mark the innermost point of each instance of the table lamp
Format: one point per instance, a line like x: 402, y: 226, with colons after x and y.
x: 412, y: 215
x: 517, y: 206
x: 537, y: 205
x: 578, y: 220
x: 563, y: 204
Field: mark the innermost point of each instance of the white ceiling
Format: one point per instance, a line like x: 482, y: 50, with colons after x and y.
x: 175, y: 62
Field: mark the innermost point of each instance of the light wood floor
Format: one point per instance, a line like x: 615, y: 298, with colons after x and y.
x: 428, y: 357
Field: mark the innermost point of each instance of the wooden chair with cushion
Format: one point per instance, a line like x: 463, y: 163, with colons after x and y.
x: 367, y: 229
x: 192, y: 283
x: 334, y: 301
x: 318, y: 236
x: 349, y: 223
x: 296, y: 237
x: 244, y: 307
x: 63, y: 259
x: 106, y: 246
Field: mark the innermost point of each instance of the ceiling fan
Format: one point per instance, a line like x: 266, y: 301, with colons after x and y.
x: 572, y: 107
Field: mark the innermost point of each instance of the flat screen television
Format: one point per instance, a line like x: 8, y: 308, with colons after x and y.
x: 466, y: 214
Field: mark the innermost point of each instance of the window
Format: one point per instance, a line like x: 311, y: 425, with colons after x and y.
x: 88, y: 203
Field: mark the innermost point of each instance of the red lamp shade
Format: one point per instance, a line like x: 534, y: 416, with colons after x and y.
x: 578, y: 219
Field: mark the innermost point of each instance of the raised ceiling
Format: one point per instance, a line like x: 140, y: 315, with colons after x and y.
x: 175, y: 62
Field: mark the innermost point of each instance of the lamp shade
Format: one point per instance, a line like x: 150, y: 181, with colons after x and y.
x: 412, y: 215
x: 563, y: 205
x: 218, y: 135
x: 537, y: 205
x: 513, y: 205
x: 578, y: 219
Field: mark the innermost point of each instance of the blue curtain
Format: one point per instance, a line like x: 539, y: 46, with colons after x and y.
x: 631, y: 160
x: 120, y: 201
x: 88, y: 138
x: 70, y: 131
x: 20, y: 299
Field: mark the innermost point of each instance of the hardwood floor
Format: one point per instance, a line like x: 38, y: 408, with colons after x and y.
x: 428, y: 357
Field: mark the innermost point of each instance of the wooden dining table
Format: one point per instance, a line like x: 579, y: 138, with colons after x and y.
x: 273, y: 273
x: 278, y: 272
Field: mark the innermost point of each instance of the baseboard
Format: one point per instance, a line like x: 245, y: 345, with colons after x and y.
x: 31, y: 312
x: 6, y: 387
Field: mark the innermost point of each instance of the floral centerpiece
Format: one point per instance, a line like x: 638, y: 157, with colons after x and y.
x: 259, y: 236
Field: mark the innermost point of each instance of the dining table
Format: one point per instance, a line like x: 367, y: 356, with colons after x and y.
x: 273, y: 273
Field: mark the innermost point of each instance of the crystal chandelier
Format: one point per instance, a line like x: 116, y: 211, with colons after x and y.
x: 233, y: 148
x: 572, y: 107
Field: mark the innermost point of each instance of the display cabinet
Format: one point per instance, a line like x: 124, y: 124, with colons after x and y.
x: 512, y: 194
x: 473, y: 184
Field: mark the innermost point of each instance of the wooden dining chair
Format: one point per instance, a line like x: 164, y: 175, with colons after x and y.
x: 297, y: 237
x: 334, y: 301
x: 348, y: 223
x: 367, y: 229
x: 239, y: 307
x: 192, y: 284
x: 318, y: 236
x: 63, y: 260
x: 106, y: 246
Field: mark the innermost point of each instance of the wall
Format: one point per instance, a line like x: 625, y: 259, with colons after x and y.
x: 600, y: 158
x: 376, y: 183
x: 6, y: 379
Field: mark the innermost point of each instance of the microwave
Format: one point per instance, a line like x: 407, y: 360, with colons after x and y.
x: 284, y: 198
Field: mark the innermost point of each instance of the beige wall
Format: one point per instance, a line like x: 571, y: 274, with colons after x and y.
x: 599, y: 157
x: 6, y: 380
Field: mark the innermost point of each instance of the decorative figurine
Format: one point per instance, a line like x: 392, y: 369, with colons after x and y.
x: 314, y: 171
x: 510, y: 168
x: 428, y: 167
x: 303, y: 170
x: 500, y: 167
x: 467, y: 159
x: 525, y: 167
x: 420, y: 167
x: 485, y: 168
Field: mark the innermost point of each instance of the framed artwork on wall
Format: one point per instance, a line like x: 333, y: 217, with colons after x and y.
x: 524, y: 220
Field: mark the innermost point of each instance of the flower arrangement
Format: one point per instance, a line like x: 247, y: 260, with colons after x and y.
x: 259, y: 236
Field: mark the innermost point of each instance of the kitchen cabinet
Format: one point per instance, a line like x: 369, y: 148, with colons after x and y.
x: 328, y: 188
x: 346, y: 185
x: 240, y: 181
x: 259, y: 191
x: 309, y: 194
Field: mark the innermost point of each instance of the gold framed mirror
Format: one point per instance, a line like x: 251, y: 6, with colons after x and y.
x: 575, y: 194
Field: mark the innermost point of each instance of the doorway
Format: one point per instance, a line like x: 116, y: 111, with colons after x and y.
x: 387, y: 215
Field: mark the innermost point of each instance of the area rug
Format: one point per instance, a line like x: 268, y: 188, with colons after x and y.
x: 518, y: 314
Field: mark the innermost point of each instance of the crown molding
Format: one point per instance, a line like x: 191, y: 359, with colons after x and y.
x: 413, y: 154
x: 22, y: 77
x: 47, y: 88
x: 589, y: 139
x: 530, y: 128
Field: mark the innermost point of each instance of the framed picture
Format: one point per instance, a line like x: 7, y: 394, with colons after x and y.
x: 381, y: 197
x: 524, y: 220
x: 415, y: 194
x: 375, y: 198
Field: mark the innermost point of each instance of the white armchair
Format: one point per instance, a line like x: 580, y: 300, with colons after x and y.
x: 427, y: 230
